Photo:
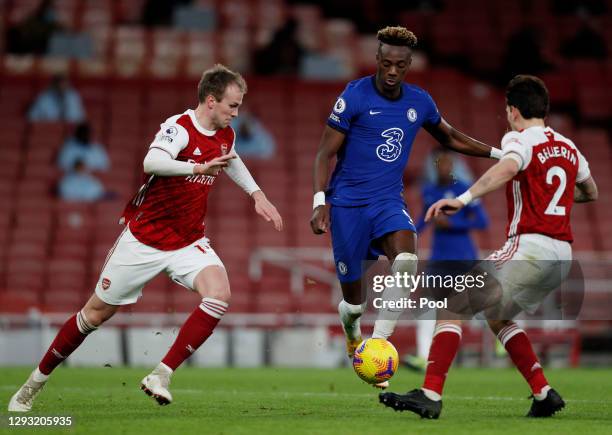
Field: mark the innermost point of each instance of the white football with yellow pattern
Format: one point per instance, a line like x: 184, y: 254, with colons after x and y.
x: 375, y: 360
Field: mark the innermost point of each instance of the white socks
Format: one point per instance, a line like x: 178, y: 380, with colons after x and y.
x: 349, y: 316
x: 543, y: 393
x: 431, y: 395
x: 384, y: 328
x: 424, y: 335
x: 38, y: 376
x: 404, y: 264
x: 163, y: 369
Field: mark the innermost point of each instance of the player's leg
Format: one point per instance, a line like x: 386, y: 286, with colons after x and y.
x: 461, y: 305
x: 75, y: 330
x: 400, y: 249
x: 526, y: 283
x: 546, y: 400
x: 70, y: 336
x: 427, y: 400
x: 212, y: 284
x: 424, y: 332
x: 350, y: 242
x: 116, y: 286
x: 350, y: 309
x: 198, y: 268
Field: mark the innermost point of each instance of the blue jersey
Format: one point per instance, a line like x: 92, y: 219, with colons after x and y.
x: 379, y: 135
x: 455, y: 242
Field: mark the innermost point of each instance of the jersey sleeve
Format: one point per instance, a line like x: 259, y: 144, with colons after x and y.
x: 345, y: 109
x: 433, y: 115
x: 171, y: 137
x: 513, y: 146
x: 583, y: 169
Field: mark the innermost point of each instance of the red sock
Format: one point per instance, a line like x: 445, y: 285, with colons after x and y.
x: 444, y: 346
x: 196, y: 329
x: 519, y: 348
x: 69, y: 337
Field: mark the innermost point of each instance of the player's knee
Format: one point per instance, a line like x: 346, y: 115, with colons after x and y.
x: 218, y: 291
x: 212, y: 282
x: 96, y: 316
x: 498, y: 325
x: 96, y: 311
x: 405, y: 262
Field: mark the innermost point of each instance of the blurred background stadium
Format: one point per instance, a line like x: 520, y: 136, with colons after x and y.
x: 134, y: 63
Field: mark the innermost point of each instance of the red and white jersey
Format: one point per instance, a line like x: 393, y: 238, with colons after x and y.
x: 168, y: 213
x: 541, y: 195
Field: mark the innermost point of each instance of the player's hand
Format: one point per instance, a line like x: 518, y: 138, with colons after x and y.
x: 266, y: 209
x: 444, y: 206
x: 319, y: 223
x: 214, y: 166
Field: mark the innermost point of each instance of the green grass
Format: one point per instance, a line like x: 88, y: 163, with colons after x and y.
x: 308, y: 401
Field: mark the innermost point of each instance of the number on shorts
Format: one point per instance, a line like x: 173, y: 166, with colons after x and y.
x: 553, y: 208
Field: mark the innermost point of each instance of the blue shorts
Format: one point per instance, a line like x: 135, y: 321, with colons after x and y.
x: 355, y: 229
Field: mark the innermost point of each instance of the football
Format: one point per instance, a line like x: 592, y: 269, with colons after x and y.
x: 375, y: 360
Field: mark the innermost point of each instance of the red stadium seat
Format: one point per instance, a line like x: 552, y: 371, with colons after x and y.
x: 18, y: 301
x: 63, y: 301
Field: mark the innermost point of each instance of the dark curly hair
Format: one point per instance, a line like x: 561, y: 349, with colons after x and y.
x: 397, y: 35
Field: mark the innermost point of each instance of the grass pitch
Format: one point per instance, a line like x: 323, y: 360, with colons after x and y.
x: 307, y: 401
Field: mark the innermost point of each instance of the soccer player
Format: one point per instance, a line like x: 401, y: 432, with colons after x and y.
x: 544, y: 175
x: 370, y: 130
x: 451, y: 239
x: 164, y: 232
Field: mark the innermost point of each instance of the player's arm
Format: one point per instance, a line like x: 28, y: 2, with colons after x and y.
x: 240, y: 174
x: 498, y: 175
x: 160, y: 162
x: 586, y: 191
x: 330, y: 144
x: 169, y: 141
x: 455, y: 140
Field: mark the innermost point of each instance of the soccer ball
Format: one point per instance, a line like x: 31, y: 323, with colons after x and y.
x: 375, y: 360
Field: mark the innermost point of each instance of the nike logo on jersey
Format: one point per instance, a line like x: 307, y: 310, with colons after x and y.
x: 373, y: 112
x: 197, y: 152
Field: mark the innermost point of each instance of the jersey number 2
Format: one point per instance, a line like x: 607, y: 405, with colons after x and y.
x: 553, y: 208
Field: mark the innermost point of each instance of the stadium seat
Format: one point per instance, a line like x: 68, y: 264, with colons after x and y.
x: 19, y: 300
x: 126, y: 113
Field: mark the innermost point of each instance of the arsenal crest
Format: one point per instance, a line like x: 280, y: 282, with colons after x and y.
x: 105, y: 283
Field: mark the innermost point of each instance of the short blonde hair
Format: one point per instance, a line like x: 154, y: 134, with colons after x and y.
x: 215, y: 81
x: 397, y: 35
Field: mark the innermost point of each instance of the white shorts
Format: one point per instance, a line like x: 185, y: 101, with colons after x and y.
x: 131, y: 264
x: 529, y: 267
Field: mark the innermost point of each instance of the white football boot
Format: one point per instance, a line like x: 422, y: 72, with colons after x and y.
x: 156, y: 385
x: 24, y: 397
